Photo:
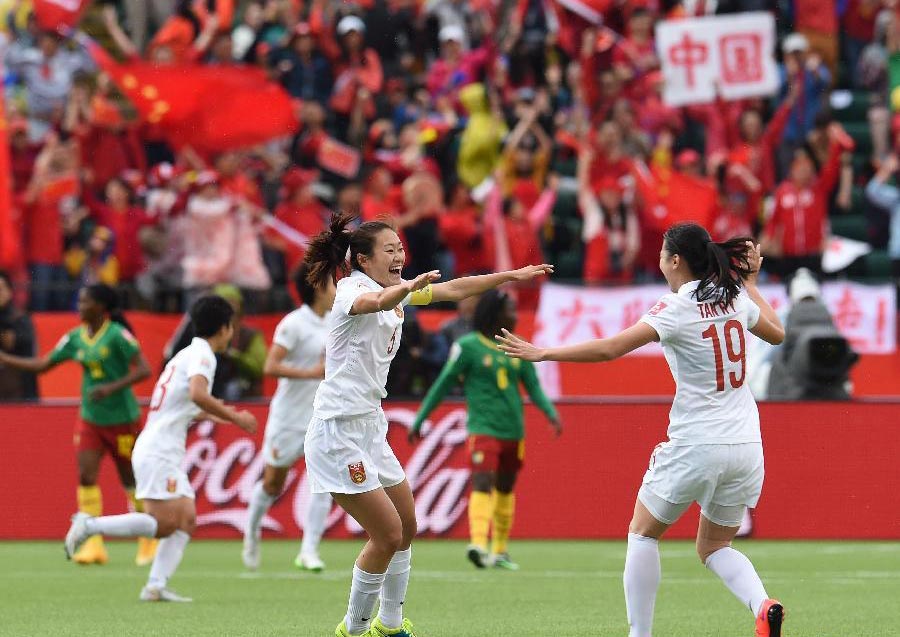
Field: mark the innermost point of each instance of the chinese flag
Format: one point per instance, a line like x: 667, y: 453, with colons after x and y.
x: 210, y: 108
x: 59, y: 15
x: 339, y: 158
x: 671, y: 197
x: 10, y: 244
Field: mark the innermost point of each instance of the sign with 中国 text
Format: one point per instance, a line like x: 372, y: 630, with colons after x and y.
x: 732, y: 54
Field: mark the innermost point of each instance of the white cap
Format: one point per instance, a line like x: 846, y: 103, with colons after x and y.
x: 803, y: 286
x: 350, y: 23
x: 452, y: 32
x: 794, y: 43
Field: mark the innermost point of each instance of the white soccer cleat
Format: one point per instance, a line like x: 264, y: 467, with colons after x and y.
x: 77, y: 534
x: 162, y: 595
x: 251, y: 554
x: 309, y: 562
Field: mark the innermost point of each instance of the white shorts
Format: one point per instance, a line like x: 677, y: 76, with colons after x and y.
x: 158, y: 479
x: 351, y: 455
x: 282, y: 447
x: 723, y: 479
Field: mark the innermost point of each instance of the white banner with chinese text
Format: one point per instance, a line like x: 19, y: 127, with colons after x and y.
x: 734, y: 53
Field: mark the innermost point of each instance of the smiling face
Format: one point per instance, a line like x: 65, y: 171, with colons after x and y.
x: 387, y: 259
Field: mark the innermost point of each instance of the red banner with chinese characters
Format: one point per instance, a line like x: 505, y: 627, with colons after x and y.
x: 830, y: 473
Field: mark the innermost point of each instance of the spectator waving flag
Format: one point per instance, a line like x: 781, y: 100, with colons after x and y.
x: 10, y: 251
x: 671, y: 197
x: 210, y: 108
x: 59, y: 15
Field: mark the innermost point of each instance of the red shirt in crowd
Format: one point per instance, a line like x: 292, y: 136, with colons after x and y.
x: 816, y: 15
x: 859, y: 19
x: 43, y: 220
x: 461, y: 232
x: 800, y: 219
x: 126, y: 226
x: 308, y: 219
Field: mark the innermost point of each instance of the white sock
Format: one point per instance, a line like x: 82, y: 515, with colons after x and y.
x: 168, y: 557
x: 393, y: 591
x: 363, y: 595
x: 125, y: 525
x: 314, y: 522
x: 641, y: 579
x: 260, y: 501
x: 738, y: 574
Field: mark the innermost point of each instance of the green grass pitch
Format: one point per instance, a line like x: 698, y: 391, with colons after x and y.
x: 563, y: 589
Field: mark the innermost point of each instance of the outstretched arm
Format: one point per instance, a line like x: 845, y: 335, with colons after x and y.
x: 389, y: 297
x: 467, y: 286
x: 596, y: 351
x: 33, y: 364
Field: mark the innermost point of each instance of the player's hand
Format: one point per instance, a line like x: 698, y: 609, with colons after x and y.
x: 754, y: 260
x: 413, y: 436
x: 530, y: 272
x: 516, y: 347
x: 424, y: 280
x: 246, y: 421
x: 557, y: 427
x: 98, y: 393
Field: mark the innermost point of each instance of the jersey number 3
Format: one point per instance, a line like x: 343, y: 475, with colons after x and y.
x: 159, y: 392
x: 735, y: 354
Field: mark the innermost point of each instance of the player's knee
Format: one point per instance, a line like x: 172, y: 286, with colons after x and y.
x: 483, y: 481
x: 165, y: 526
x: 706, y: 547
x: 273, y: 486
x: 390, y: 539
x: 410, y: 528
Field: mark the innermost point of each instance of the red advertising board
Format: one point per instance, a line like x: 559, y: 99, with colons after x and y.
x: 831, y: 472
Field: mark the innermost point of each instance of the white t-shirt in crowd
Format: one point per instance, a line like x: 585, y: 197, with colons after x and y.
x: 705, y: 344
x: 358, y: 352
x: 302, y: 333
x: 171, y: 408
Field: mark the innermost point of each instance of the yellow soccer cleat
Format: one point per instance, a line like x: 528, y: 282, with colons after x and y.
x: 146, y: 551
x: 379, y: 630
x: 341, y: 631
x: 93, y: 551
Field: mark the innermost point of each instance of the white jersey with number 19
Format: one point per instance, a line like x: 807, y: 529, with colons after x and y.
x: 705, y: 344
x: 171, y: 408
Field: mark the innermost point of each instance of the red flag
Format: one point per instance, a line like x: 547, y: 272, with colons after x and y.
x: 671, y: 197
x: 59, y: 15
x: 338, y: 158
x: 10, y: 236
x: 211, y: 108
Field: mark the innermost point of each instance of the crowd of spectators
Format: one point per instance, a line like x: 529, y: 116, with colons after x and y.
x: 496, y: 132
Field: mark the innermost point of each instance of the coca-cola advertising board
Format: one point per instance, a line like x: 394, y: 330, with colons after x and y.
x: 831, y: 472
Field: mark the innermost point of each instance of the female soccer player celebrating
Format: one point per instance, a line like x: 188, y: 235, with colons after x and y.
x: 112, y: 362
x: 347, y: 453
x: 496, y: 430
x: 180, y: 396
x: 296, y: 358
x: 714, y: 452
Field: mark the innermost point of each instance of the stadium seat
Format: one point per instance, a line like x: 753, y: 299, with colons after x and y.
x: 852, y: 226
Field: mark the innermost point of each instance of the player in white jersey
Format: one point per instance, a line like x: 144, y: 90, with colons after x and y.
x: 347, y: 453
x: 181, y: 395
x: 297, y: 359
x: 714, y: 452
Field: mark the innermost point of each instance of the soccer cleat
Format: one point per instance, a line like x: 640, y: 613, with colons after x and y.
x: 251, y: 554
x: 379, y: 630
x: 309, y: 562
x: 146, y: 551
x: 77, y: 534
x: 93, y: 551
x: 770, y: 618
x: 502, y: 560
x: 162, y: 595
x: 341, y: 631
x: 477, y: 555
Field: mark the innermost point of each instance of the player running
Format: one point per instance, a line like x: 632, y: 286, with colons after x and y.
x: 495, y: 423
x: 109, y: 417
x: 297, y: 359
x: 714, y: 453
x: 347, y: 453
x: 181, y: 395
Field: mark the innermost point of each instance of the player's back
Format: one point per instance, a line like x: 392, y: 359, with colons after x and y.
x: 171, y: 408
x: 302, y: 333
x: 705, y: 344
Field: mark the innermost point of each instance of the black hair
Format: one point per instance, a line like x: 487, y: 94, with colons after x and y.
x: 209, y: 314
x: 487, y: 313
x: 110, y: 300
x: 6, y: 277
x: 305, y: 290
x: 721, y: 267
x: 327, y: 252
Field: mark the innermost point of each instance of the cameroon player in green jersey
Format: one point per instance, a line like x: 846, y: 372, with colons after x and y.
x: 109, y: 420
x: 495, y: 423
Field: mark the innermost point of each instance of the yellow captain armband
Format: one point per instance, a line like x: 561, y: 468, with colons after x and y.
x: 421, y: 297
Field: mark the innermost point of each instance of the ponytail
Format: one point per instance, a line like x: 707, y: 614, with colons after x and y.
x: 109, y: 299
x: 327, y: 252
x: 721, y: 267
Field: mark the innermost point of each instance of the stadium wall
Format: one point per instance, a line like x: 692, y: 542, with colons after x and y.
x: 875, y: 375
x: 831, y: 472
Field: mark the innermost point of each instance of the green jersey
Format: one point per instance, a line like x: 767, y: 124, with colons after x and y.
x: 105, y: 357
x: 490, y: 381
